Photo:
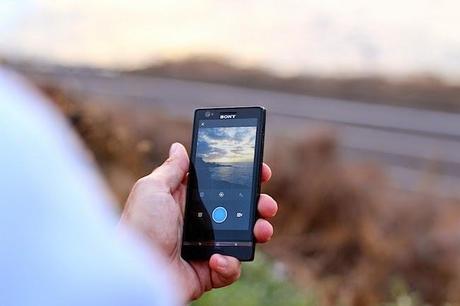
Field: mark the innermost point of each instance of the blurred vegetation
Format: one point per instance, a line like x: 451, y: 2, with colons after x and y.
x: 344, y: 235
x: 423, y: 91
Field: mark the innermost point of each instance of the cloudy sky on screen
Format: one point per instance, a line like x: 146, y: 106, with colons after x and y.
x: 226, y: 145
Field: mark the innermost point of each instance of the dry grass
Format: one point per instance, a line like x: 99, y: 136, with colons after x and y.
x: 341, y: 228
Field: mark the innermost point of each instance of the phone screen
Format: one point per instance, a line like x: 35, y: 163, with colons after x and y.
x: 223, y: 181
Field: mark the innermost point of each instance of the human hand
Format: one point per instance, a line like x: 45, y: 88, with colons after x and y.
x: 155, y: 208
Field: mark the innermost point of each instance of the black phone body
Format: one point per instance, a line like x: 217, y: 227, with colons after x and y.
x: 224, y: 182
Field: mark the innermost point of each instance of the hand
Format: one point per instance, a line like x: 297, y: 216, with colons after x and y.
x: 155, y: 208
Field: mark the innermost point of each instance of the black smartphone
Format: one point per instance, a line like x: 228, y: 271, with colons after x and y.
x: 224, y: 182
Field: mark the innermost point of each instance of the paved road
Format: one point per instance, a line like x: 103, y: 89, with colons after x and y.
x: 405, y: 140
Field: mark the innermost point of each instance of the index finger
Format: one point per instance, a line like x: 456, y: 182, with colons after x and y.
x: 266, y: 173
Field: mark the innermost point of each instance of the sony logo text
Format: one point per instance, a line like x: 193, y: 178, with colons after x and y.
x: 227, y: 116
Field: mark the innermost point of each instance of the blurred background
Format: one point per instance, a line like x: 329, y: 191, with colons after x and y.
x: 363, y: 129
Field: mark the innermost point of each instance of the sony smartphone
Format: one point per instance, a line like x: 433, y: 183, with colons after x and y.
x: 224, y: 182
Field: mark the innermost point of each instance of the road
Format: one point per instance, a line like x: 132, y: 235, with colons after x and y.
x: 405, y: 140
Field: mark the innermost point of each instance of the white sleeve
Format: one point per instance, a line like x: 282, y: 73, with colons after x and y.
x: 58, y: 244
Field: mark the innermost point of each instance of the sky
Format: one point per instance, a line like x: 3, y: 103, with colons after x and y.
x: 330, y: 37
x: 226, y: 144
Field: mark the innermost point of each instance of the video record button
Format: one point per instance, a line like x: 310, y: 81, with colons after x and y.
x: 219, y: 214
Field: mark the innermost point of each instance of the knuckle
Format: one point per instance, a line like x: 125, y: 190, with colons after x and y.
x: 140, y: 183
x: 151, y: 182
x: 171, y: 165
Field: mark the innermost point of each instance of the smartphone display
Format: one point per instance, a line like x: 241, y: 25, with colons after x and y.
x: 224, y: 182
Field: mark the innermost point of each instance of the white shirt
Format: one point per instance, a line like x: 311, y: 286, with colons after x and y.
x: 58, y: 242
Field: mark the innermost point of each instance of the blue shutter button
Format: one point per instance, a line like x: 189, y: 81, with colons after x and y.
x: 219, y: 214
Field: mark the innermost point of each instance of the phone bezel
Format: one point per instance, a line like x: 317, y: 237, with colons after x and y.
x: 242, y: 249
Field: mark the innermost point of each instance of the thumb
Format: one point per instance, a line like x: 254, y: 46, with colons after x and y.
x: 171, y: 173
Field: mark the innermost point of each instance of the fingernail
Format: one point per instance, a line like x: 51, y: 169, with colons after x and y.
x: 221, y: 262
x: 174, y: 149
